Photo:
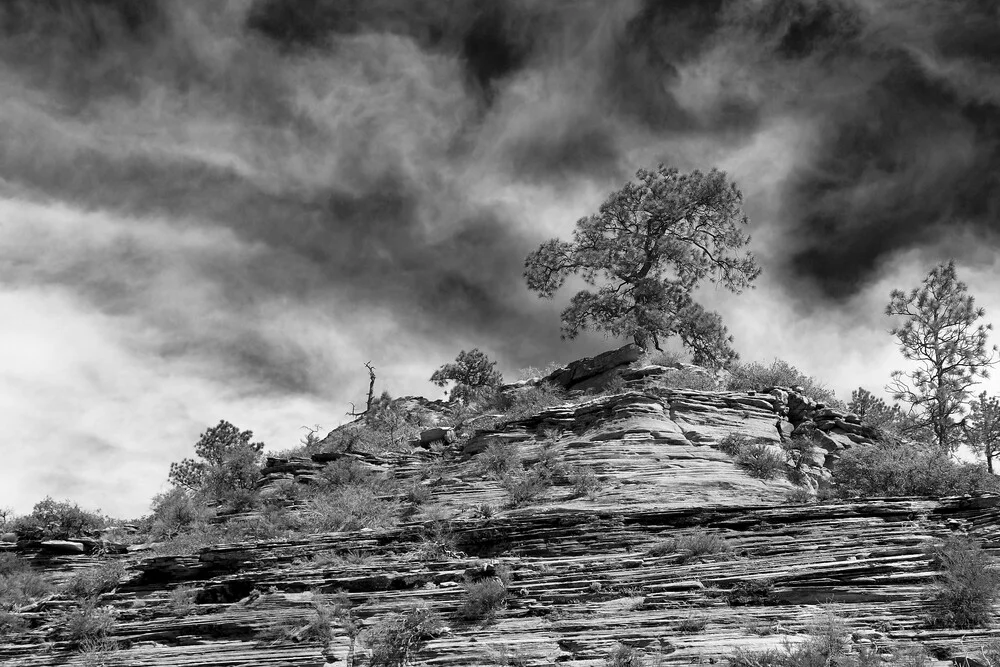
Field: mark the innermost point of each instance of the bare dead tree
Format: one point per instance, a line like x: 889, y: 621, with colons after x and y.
x: 371, y: 392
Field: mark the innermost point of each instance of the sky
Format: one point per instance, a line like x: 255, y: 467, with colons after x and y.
x: 222, y: 210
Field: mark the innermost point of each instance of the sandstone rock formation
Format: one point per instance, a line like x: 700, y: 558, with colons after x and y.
x: 587, y: 573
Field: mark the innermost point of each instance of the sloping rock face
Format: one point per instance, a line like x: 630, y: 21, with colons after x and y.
x: 586, y: 573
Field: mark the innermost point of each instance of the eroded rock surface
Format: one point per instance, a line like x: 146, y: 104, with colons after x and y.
x: 584, y: 573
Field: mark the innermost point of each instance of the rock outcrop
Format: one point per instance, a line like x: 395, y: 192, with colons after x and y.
x: 586, y: 572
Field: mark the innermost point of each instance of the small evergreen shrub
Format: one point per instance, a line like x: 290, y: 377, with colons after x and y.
x: 525, y: 402
x: 182, y: 600
x: 732, y: 444
x: 756, y: 376
x: 751, y: 592
x: 175, y: 511
x: 526, y: 487
x: 348, y: 508
x: 967, y: 587
x: 499, y: 459
x: 396, y: 638
x: 760, y: 461
x: 88, y: 622
x: 625, y: 656
x: 890, y: 469
x: 693, y: 624
x: 584, y: 482
x: 684, y: 378
x: 483, y: 598
x: 473, y: 372
x: 692, y: 546
x: 55, y: 520
x: 96, y: 580
x: 19, y: 585
x: 346, y: 471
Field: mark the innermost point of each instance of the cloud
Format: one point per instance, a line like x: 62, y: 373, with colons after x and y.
x: 221, y: 210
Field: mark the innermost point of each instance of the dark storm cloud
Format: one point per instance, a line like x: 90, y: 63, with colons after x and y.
x: 365, y: 188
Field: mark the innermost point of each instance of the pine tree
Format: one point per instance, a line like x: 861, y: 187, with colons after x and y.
x: 982, y: 428
x: 939, y: 332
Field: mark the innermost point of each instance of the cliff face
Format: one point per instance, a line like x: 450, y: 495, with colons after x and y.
x: 586, y: 572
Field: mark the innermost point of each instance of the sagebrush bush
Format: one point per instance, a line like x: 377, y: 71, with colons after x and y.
x: 483, y: 598
x: 755, y: 376
x: 522, y: 403
x: 692, y: 546
x: 625, y: 656
x: 95, y: 580
x: 346, y: 471
x: 967, y: 587
x: 349, y: 508
x: 584, y: 482
x: 175, y: 511
x: 684, y: 378
x: 525, y: 487
x: 394, y: 639
x: 182, y: 599
x: 733, y: 443
x: 19, y: 584
x: 88, y: 621
x: 760, y: 461
x: 894, y: 469
x: 499, y: 459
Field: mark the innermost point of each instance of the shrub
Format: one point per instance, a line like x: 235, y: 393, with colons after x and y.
x: 482, y: 599
x: 685, y: 378
x: 525, y: 487
x: 53, y: 520
x: 418, y: 493
x: 312, y: 628
x: 11, y: 623
x: 584, y: 482
x: 693, y: 624
x: 499, y: 459
x: 99, y: 652
x: 525, y: 402
x: 755, y: 376
x: 394, y: 639
x: 175, y: 511
x: 19, y: 586
x: 760, y: 461
x: 624, y: 656
x: 348, y: 508
x: 751, y: 592
x: 388, y: 426
x: 88, y: 621
x: 346, y: 471
x: 800, y: 496
x: 615, y: 385
x: 891, y: 469
x: 826, y: 646
x: 733, y: 443
x: 692, y: 546
x: 182, y: 600
x: 967, y: 586
x: 95, y: 580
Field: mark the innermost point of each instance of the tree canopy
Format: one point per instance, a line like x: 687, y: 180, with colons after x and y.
x: 939, y: 332
x: 472, y: 372
x: 647, y: 248
x: 229, y: 463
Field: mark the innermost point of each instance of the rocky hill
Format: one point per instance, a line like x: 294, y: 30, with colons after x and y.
x: 647, y: 535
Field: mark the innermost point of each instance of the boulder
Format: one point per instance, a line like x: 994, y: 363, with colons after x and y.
x: 584, y: 369
x: 63, y: 546
x: 8, y: 537
x: 445, y: 433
